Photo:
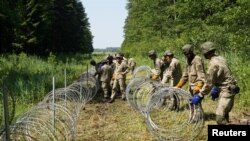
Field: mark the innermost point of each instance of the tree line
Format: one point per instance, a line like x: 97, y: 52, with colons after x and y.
x: 169, y: 24
x: 43, y: 26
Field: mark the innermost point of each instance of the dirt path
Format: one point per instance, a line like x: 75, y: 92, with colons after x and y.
x: 111, y: 122
x: 119, y: 122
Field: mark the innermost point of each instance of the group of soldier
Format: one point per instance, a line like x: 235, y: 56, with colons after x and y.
x: 111, y: 74
x: 218, y: 79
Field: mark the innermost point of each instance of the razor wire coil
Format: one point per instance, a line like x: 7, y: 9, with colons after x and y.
x: 168, y: 113
x: 54, y: 118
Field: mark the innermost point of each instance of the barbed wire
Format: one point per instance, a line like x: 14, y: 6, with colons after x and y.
x: 167, y: 110
x: 54, y: 118
x: 142, y: 71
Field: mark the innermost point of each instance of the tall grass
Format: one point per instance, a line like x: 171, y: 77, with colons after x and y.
x: 29, y: 78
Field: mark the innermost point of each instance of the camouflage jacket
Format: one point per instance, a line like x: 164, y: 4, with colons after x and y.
x: 121, y: 69
x: 194, y: 72
x: 158, y: 65
x: 173, y: 73
x: 218, y: 74
x: 106, y: 73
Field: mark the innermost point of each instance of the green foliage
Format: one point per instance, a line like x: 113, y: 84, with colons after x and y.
x: 29, y: 78
x: 171, y: 24
x: 41, y: 27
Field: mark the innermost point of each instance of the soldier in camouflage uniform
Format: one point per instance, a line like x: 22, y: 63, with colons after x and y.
x: 157, y: 72
x: 121, y: 69
x: 111, y: 63
x: 172, y: 74
x: 97, y: 74
x: 219, y: 76
x: 105, y: 77
x: 131, y: 64
x: 124, y: 59
x: 194, y: 71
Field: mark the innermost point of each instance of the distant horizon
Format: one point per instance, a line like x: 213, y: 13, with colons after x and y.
x: 107, y: 47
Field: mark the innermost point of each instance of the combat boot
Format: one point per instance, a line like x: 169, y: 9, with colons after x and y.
x: 111, y: 100
x: 123, y: 97
x: 221, y: 120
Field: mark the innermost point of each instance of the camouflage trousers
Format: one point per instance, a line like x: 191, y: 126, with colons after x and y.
x: 225, y: 105
x: 118, y: 83
x: 105, y: 88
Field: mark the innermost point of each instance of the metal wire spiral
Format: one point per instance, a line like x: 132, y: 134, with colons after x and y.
x: 168, y: 112
x: 54, y: 118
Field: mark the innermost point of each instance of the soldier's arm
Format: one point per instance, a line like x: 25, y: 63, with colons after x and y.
x: 200, y: 70
x: 184, y: 77
x: 210, y: 79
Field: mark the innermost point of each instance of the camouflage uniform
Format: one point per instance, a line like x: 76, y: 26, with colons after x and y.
x: 131, y: 64
x: 106, y: 74
x: 172, y: 74
x: 121, y: 69
x: 97, y: 74
x: 219, y: 74
x: 193, y: 72
x: 157, y: 72
x: 111, y: 63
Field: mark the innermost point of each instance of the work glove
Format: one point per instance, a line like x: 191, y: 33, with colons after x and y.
x: 113, y: 76
x: 155, y: 77
x: 196, y: 99
x: 180, y: 84
x: 198, y: 87
x: 214, y: 93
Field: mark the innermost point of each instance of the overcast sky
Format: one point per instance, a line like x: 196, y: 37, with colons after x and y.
x: 106, y: 18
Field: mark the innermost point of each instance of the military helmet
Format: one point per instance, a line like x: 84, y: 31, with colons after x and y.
x: 187, y: 49
x: 92, y: 62
x: 168, y: 53
x: 122, y: 54
x: 110, y: 57
x: 207, y: 47
x: 118, y: 56
x: 151, y: 53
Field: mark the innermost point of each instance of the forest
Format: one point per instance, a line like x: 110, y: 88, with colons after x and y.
x: 40, y: 27
x: 169, y: 24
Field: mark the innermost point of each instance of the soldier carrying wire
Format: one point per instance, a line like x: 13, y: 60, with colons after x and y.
x: 219, y: 76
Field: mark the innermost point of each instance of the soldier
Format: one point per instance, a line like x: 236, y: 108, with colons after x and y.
x: 219, y: 76
x: 194, y: 71
x: 97, y: 67
x: 157, y: 72
x: 106, y: 74
x: 97, y: 73
x: 111, y: 63
x: 131, y: 64
x: 121, y: 69
x: 172, y: 74
x: 124, y: 59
